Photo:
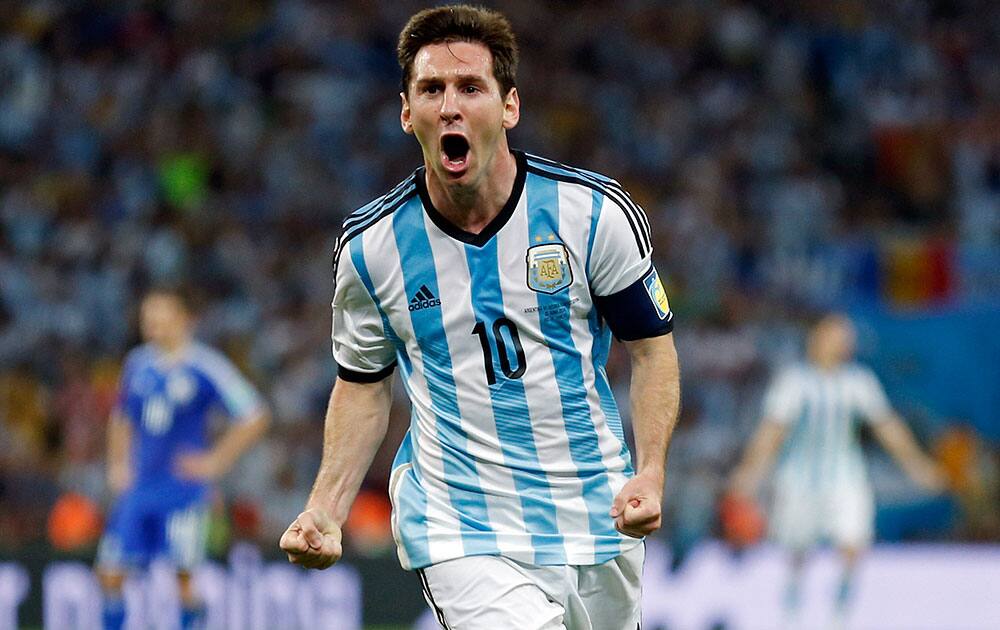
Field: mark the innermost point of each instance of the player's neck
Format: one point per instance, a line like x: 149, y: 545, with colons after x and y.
x: 471, y: 208
x: 826, y: 364
x: 174, y: 349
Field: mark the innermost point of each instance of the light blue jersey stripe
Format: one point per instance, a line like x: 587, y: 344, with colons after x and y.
x: 411, y: 507
x: 511, y: 414
x: 411, y: 497
x: 584, y: 447
x: 461, y: 476
x: 602, y: 345
x: 358, y: 258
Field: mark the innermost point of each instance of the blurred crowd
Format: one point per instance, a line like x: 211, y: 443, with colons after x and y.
x: 792, y: 157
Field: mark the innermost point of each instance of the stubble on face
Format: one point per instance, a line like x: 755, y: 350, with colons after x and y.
x: 454, y: 107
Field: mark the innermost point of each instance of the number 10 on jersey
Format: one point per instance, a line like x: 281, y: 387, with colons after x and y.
x: 501, y: 326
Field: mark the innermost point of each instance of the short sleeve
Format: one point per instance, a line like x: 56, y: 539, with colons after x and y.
x: 621, y: 251
x: 361, y: 347
x: 870, y: 397
x: 627, y: 290
x: 125, y: 380
x: 237, y: 396
x: 783, y: 400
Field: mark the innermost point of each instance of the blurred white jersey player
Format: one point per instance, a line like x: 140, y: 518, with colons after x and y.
x: 822, y: 492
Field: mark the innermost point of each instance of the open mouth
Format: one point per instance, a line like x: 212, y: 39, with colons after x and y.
x: 456, y: 151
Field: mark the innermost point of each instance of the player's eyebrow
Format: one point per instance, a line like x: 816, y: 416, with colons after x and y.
x: 460, y: 78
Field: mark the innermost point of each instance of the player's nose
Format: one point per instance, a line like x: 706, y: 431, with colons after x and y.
x: 450, y: 109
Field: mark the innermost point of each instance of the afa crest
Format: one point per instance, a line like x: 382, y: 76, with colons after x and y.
x: 549, y: 270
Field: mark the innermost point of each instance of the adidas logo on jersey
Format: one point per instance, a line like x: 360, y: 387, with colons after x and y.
x: 424, y: 299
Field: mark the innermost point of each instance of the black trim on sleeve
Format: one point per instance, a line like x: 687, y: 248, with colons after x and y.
x: 611, y: 189
x: 632, y: 314
x: 644, y: 250
x: 353, y: 376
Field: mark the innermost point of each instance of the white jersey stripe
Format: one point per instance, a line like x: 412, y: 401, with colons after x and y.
x: 548, y: 429
x: 461, y: 478
x: 584, y: 443
x: 821, y: 408
x: 515, y: 444
x: 510, y: 405
x: 412, y: 536
x: 471, y: 390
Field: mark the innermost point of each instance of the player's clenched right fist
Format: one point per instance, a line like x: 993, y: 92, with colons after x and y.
x: 312, y: 540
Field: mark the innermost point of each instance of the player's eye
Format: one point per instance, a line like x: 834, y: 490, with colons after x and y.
x: 470, y: 89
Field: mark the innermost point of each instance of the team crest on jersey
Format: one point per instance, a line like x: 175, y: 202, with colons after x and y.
x: 549, y: 270
x: 657, y: 294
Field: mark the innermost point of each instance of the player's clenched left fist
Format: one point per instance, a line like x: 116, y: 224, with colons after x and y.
x: 312, y: 540
x: 636, y: 509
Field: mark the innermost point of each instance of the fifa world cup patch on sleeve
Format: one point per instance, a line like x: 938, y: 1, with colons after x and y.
x: 548, y: 268
x: 657, y: 294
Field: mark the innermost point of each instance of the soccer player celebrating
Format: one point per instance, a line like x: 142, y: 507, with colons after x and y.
x: 494, y: 279
x: 822, y: 492
x: 160, y: 463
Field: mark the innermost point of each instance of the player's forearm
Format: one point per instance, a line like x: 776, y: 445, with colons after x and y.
x: 897, y: 439
x: 238, y: 439
x: 655, y: 400
x: 119, y: 441
x: 356, y: 422
x: 758, y: 457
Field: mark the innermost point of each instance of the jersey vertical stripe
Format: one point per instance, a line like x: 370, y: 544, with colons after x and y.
x: 515, y: 444
x: 460, y: 469
x: 611, y: 438
x: 601, y: 344
x: 635, y: 216
x: 428, y: 523
x: 611, y: 186
x: 584, y: 447
x: 510, y: 411
x: 823, y: 451
x: 358, y: 260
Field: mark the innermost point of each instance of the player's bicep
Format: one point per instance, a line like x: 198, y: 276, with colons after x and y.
x: 361, y: 344
x: 638, y: 311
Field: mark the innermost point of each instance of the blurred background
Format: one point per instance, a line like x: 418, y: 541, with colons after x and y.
x: 792, y: 157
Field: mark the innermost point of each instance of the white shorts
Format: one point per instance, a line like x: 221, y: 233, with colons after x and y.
x: 843, y: 516
x: 491, y: 592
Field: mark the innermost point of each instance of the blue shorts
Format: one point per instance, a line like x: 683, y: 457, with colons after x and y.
x: 146, y: 524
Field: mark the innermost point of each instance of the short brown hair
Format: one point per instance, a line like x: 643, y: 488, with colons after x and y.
x: 460, y: 23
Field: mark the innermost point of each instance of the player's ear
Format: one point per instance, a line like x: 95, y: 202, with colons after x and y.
x: 404, y: 114
x: 511, y: 109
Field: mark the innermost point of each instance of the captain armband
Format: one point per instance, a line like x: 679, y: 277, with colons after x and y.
x: 639, y: 311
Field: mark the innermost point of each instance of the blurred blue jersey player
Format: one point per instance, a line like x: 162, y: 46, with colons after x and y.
x: 160, y: 457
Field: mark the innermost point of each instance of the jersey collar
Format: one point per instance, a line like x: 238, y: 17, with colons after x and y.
x: 494, y: 226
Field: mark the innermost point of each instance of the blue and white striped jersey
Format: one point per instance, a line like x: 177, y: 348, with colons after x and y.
x: 515, y: 445
x: 168, y: 401
x: 821, y: 408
